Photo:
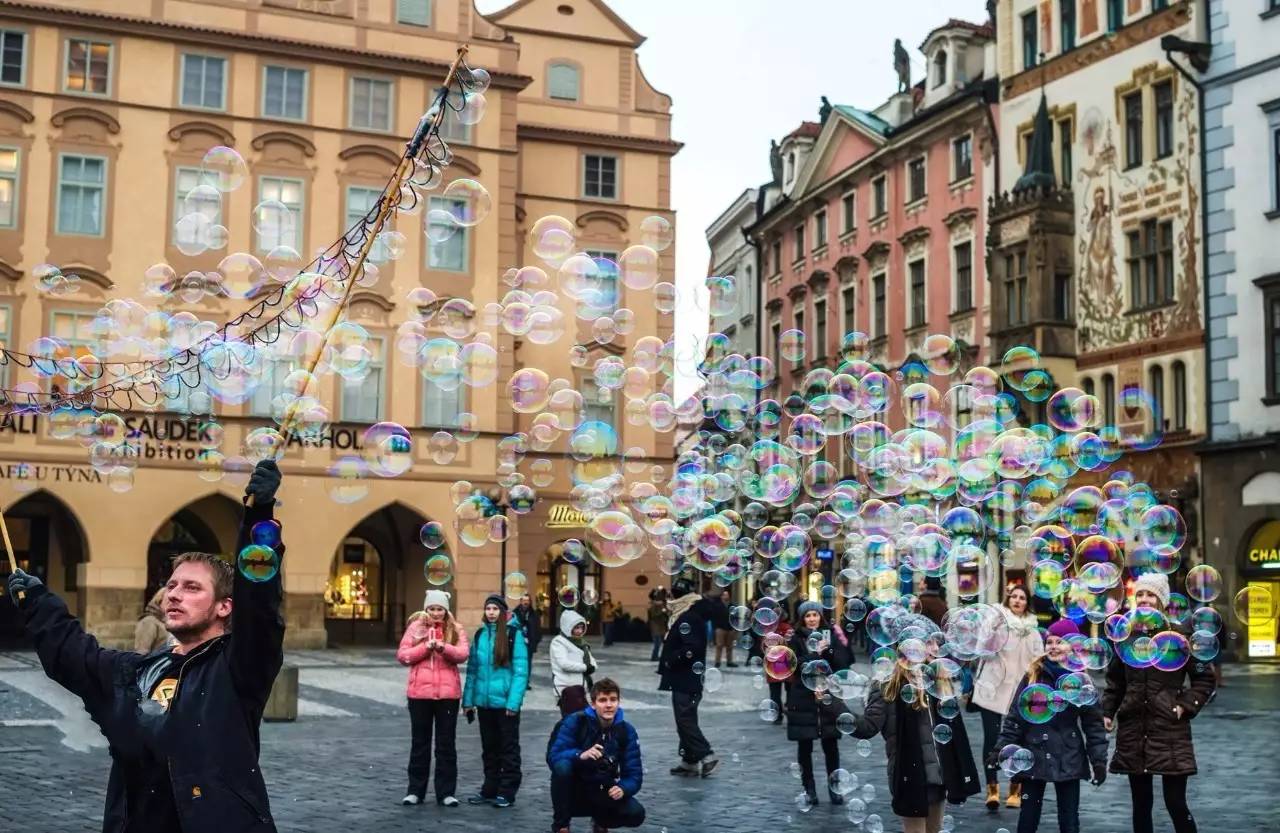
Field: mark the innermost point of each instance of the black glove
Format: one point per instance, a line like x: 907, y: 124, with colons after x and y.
x: 20, y: 583
x: 263, y: 483
x: 993, y: 759
x: 1099, y: 775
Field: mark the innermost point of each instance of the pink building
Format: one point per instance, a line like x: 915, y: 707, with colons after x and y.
x: 879, y: 221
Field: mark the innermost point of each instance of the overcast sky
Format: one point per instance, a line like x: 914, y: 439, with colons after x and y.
x: 741, y: 72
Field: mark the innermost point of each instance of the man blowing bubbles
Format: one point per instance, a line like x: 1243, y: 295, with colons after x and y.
x: 182, y: 723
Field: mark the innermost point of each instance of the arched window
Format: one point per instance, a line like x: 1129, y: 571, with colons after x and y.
x: 1156, y: 380
x: 562, y: 82
x: 1179, y: 396
x: 791, y: 166
x: 1087, y: 384
x: 940, y: 68
x: 1108, y: 399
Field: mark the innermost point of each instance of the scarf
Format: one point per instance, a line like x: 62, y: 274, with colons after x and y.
x: 679, y: 607
x: 1054, y: 670
x: 581, y: 643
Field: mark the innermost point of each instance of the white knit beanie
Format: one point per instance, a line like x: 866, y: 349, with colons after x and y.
x: 1157, y: 583
x: 435, y: 597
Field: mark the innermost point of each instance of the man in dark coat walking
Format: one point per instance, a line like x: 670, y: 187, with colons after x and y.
x: 682, y: 664
x: 530, y: 621
x: 183, y: 723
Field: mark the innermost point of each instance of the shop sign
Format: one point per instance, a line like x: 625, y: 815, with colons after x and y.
x: 49, y: 473
x: 1263, y: 549
x: 1262, y: 618
x: 564, y: 516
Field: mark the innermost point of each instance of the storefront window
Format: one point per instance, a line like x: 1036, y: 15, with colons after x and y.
x: 354, y: 589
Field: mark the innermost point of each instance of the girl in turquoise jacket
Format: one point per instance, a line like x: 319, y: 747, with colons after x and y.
x: 497, y: 676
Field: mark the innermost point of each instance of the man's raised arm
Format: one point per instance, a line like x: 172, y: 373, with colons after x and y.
x: 256, y: 650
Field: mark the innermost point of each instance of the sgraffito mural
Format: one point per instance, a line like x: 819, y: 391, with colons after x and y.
x: 1110, y: 202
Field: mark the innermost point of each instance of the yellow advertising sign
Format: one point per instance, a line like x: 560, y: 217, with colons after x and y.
x: 1262, y: 618
x: 564, y: 516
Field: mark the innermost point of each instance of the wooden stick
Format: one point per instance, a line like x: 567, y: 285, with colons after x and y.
x: 8, y: 548
x: 388, y: 206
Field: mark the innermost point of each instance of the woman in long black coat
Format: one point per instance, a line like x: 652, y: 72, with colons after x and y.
x: 1151, y: 711
x: 812, y: 716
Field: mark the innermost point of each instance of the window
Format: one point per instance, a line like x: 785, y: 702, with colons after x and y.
x: 776, y: 250
x: 1115, y: 14
x: 1271, y: 324
x: 797, y: 321
x: 879, y: 197
x: 915, y: 180
x: 940, y: 68
x: 964, y: 276
x: 13, y: 54
x: 1015, y: 287
x: 284, y: 93
x: 597, y: 402
x: 603, y: 298
x: 88, y: 67
x: 1164, y: 119
x: 362, y: 398
x: 4, y: 342
x: 452, y: 255
x: 360, y: 201
x: 791, y: 166
x: 1030, y: 43
x: 600, y: 178
x: 1156, y: 376
x: 442, y: 408
x: 820, y: 229
x: 880, y: 326
x: 1065, y: 134
x: 76, y: 331
x: 413, y: 12
x: 274, y: 369
x: 847, y: 216
x: 1275, y: 163
x: 1157, y: 5
x: 916, y: 270
x: 371, y: 103
x: 1133, y: 129
x: 452, y: 130
x: 1108, y: 399
x: 962, y: 158
x: 847, y: 308
x: 1062, y: 296
x: 964, y: 406
x: 187, y: 200
x: 1179, y: 396
x: 280, y: 222
x: 1068, y: 20
x: 562, y: 82
x: 797, y: 248
x: 82, y: 186
x: 1150, y: 264
x: 1088, y: 385
x: 204, y: 82
x: 820, y: 328
x: 8, y: 187
x: 775, y: 335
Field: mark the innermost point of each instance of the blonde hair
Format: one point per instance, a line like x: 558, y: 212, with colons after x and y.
x: 450, y: 624
x: 893, y: 686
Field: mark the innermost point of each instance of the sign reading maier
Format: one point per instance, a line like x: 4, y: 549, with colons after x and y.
x: 1261, y: 558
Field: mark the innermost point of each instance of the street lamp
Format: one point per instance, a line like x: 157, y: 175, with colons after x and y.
x: 520, y: 498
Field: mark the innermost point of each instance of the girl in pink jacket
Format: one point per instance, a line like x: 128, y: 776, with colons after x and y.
x: 433, y: 647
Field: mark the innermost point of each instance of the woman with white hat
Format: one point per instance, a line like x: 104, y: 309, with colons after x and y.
x: 433, y: 647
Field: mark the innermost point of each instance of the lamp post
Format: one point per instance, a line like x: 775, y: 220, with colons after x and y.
x: 519, y: 498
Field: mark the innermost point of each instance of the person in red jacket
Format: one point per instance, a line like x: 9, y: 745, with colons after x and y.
x: 433, y: 647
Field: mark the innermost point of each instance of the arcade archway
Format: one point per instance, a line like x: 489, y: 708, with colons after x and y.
x: 209, y: 524
x: 48, y: 542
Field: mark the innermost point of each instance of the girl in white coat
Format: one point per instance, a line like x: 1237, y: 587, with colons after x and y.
x: 997, y: 678
x: 571, y: 663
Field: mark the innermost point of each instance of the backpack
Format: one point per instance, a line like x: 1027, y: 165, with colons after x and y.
x: 584, y: 734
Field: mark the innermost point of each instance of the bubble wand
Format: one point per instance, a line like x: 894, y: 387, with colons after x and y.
x: 429, y: 123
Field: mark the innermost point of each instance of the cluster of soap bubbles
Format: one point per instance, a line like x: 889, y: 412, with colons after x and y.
x: 50, y: 280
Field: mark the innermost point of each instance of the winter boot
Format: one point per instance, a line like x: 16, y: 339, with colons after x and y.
x: 1015, y: 796
x: 993, y: 797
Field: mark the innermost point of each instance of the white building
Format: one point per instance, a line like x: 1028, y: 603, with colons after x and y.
x: 1241, y: 461
x: 733, y: 255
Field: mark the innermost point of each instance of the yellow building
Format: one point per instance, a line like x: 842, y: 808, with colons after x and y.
x: 106, y: 110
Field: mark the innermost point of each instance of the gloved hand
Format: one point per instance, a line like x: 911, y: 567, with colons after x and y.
x: 21, y: 582
x: 993, y: 759
x: 1099, y: 775
x: 263, y: 483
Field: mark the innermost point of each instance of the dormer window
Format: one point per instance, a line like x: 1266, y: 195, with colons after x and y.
x: 791, y: 167
x: 940, y: 68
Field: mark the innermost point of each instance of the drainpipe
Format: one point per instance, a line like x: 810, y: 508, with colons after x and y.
x: 1198, y: 54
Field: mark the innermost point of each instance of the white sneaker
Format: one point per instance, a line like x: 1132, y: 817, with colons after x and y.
x: 449, y: 801
x: 410, y: 799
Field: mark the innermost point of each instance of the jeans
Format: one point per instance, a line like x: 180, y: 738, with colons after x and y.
x: 1142, y: 791
x: 693, y: 744
x: 442, y: 715
x: 657, y: 646
x: 571, y: 799
x: 804, y: 754
x: 500, y: 753
x: 1033, y: 801
x: 990, y: 734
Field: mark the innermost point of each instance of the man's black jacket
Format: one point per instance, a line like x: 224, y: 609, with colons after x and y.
x: 209, y: 736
